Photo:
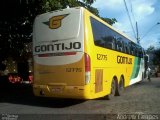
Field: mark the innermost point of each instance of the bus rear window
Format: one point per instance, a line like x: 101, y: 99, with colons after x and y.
x: 60, y: 25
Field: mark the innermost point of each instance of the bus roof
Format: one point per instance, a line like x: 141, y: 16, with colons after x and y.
x: 84, y: 9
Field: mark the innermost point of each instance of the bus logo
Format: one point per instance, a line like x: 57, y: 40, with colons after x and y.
x: 55, y: 22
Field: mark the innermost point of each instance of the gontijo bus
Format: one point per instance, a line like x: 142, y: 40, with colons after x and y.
x: 78, y: 55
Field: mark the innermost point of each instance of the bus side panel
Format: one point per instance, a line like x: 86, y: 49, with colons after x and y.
x: 111, y: 68
x: 109, y: 63
x: 99, y: 84
x: 137, y: 70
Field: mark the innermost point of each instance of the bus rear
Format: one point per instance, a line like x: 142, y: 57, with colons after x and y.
x: 61, y: 67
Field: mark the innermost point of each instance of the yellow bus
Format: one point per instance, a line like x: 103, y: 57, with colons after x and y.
x: 78, y: 55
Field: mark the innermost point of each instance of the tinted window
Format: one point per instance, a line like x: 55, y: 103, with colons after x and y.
x: 108, y: 38
x: 103, y: 36
x: 119, y: 44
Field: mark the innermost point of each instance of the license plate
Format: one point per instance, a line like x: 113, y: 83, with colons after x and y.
x: 56, y: 90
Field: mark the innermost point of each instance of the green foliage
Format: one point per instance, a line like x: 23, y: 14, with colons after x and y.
x: 155, y: 53
x: 109, y: 21
x: 89, y: 1
x: 150, y: 49
x: 50, y: 5
x: 156, y: 59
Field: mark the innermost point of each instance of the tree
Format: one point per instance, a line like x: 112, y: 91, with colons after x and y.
x: 154, y: 55
x: 109, y: 21
x: 17, y: 21
x: 89, y: 1
x: 50, y: 5
x: 150, y: 49
x: 156, y: 59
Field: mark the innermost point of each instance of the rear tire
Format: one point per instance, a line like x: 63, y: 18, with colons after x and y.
x: 120, y: 87
x: 113, y: 90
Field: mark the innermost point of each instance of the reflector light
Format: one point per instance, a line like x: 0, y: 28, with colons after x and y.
x: 57, y: 54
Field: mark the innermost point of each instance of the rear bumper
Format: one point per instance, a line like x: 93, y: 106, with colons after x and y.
x: 60, y: 91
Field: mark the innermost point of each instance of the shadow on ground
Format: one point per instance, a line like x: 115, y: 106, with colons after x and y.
x: 22, y: 94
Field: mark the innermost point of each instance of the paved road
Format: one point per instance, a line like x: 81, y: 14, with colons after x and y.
x: 143, y: 98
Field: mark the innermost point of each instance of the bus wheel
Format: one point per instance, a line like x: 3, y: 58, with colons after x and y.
x: 113, y: 89
x: 120, y: 87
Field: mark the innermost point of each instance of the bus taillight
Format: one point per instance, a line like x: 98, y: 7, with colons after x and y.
x: 87, y: 68
x: 87, y: 63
